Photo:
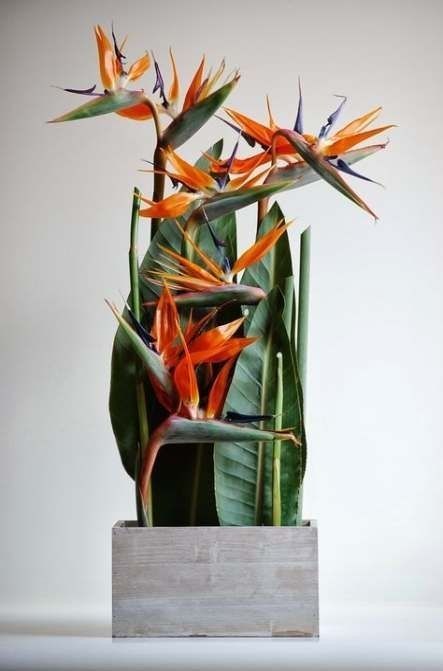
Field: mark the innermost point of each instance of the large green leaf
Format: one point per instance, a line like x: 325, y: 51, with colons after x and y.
x: 243, y: 473
x: 105, y: 104
x: 174, y: 468
x: 186, y: 124
x: 300, y: 173
x: 123, y: 401
x: 273, y: 269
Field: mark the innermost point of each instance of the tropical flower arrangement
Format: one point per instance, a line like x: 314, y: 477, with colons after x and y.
x: 209, y: 360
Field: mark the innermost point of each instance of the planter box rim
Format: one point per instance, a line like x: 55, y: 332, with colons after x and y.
x: 132, y: 524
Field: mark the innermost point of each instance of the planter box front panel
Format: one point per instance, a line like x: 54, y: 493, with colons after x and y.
x: 214, y: 581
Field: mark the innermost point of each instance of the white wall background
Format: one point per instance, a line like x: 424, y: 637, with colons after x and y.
x: 374, y: 479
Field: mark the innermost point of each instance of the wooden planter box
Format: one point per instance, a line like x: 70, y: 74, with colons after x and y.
x: 214, y: 581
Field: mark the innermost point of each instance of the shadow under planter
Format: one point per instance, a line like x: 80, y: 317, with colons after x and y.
x: 214, y: 581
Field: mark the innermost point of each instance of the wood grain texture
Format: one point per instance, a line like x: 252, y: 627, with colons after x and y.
x: 214, y: 581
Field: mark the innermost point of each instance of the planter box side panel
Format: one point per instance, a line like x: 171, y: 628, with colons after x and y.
x: 215, y: 581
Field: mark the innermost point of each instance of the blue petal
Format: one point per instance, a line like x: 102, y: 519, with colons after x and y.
x: 159, y: 84
x: 298, y: 126
x: 250, y: 140
x: 344, y: 167
x: 141, y: 331
x: 223, y: 181
x: 324, y: 130
x: 118, y: 54
x: 82, y: 92
x: 241, y: 418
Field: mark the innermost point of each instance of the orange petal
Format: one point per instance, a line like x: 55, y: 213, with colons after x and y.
x: 193, y: 328
x: 241, y: 165
x: 345, y: 143
x: 185, y: 380
x: 166, y: 320
x: 210, y: 82
x: 194, y: 86
x: 244, y: 182
x: 259, y: 248
x: 139, y: 67
x: 262, y: 134
x: 359, y: 124
x: 174, y: 89
x: 231, y: 348
x: 192, y: 176
x: 219, y: 389
x: 172, y: 206
x: 210, y: 263
x: 182, y: 282
x: 110, y: 67
x: 214, y: 338
x: 193, y: 269
x: 139, y: 112
x: 272, y: 123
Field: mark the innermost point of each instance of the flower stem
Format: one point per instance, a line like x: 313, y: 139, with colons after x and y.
x: 302, y: 329
x: 135, y: 305
x: 262, y: 208
x: 159, y: 162
x: 276, y: 490
x: 159, y: 182
x: 196, y: 484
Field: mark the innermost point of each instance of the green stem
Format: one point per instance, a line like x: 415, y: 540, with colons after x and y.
x: 260, y: 482
x: 288, y: 310
x: 159, y: 182
x: 262, y: 209
x: 276, y: 487
x: 302, y: 329
x: 136, y: 308
x: 196, y: 485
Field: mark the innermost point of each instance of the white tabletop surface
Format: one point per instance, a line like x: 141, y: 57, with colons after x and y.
x: 354, y: 638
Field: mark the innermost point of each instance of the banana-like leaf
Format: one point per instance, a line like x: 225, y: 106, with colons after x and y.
x: 179, y: 430
x: 153, y: 362
x: 174, y: 469
x: 273, y: 269
x: 243, y: 472
x: 300, y: 174
x: 123, y: 401
x: 105, y: 104
x: 323, y: 168
x: 219, y: 295
x: 186, y: 124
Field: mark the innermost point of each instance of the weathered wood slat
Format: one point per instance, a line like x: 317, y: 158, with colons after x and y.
x: 214, y: 581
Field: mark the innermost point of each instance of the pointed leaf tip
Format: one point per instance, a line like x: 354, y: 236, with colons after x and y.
x: 105, y: 104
